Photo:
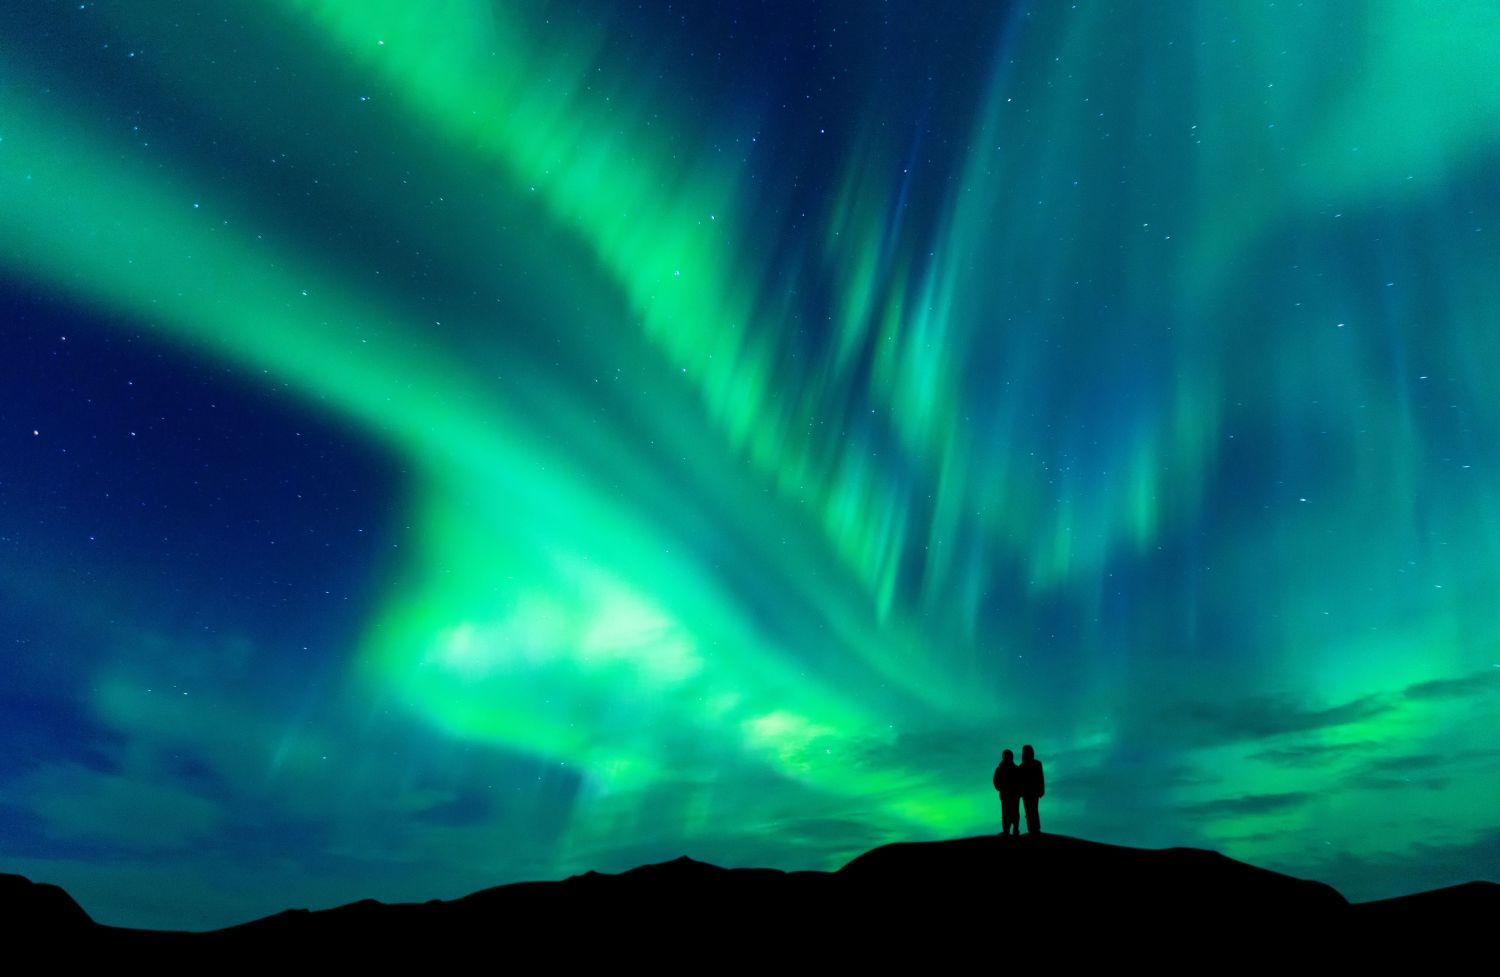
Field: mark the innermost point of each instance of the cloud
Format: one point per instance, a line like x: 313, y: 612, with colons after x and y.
x: 1370, y: 780
x: 460, y: 808
x: 1246, y: 805
x: 136, y: 812
x: 1427, y: 771
x: 1428, y: 761
x: 1314, y: 754
x: 1203, y: 723
x: 1464, y: 686
x: 1253, y: 837
x: 832, y: 833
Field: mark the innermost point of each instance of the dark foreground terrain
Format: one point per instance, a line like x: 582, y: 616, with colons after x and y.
x: 1048, y: 900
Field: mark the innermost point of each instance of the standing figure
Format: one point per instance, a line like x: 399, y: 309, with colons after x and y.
x: 1008, y: 782
x: 1033, y: 786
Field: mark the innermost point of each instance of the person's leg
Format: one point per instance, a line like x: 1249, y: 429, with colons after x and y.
x: 1033, y: 817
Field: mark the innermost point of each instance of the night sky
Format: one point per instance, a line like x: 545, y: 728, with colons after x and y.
x: 444, y: 444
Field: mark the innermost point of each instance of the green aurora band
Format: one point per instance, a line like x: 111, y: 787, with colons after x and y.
x: 1160, y: 430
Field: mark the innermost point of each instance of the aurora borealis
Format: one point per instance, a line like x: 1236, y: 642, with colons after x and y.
x: 461, y: 442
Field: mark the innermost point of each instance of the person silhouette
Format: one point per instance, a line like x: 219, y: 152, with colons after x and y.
x: 1033, y: 786
x: 1007, y: 781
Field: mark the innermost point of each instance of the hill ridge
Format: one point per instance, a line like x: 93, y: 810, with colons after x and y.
x: 962, y: 890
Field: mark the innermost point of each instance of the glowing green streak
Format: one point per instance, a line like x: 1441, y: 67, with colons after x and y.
x: 565, y: 628
x: 668, y: 233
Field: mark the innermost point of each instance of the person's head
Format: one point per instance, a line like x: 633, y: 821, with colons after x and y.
x: 1008, y: 756
x: 1027, y: 753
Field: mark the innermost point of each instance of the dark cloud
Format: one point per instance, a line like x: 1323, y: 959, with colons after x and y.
x: 1406, y: 764
x: 1201, y: 723
x: 1313, y: 754
x: 1425, y: 771
x: 139, y: 809
x: 1370, y: 780
x: 837, y: 833
x: 1247, y: 804
x: 467, y: 807
x: 1473, y: 684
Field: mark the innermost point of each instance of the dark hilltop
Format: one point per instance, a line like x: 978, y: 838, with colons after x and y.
x: 1041, y: 899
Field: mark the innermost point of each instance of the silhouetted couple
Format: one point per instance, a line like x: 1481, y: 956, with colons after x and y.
x: 1018, y: 783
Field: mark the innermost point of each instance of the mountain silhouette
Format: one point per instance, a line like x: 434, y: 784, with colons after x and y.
x: 1043, y: 899
x: 31, y: 907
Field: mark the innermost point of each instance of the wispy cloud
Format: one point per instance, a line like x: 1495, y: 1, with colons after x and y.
x: 1206, y: 723
x: 1314, y: 754
x: 1474, y: 684
x: 1246, y: 804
